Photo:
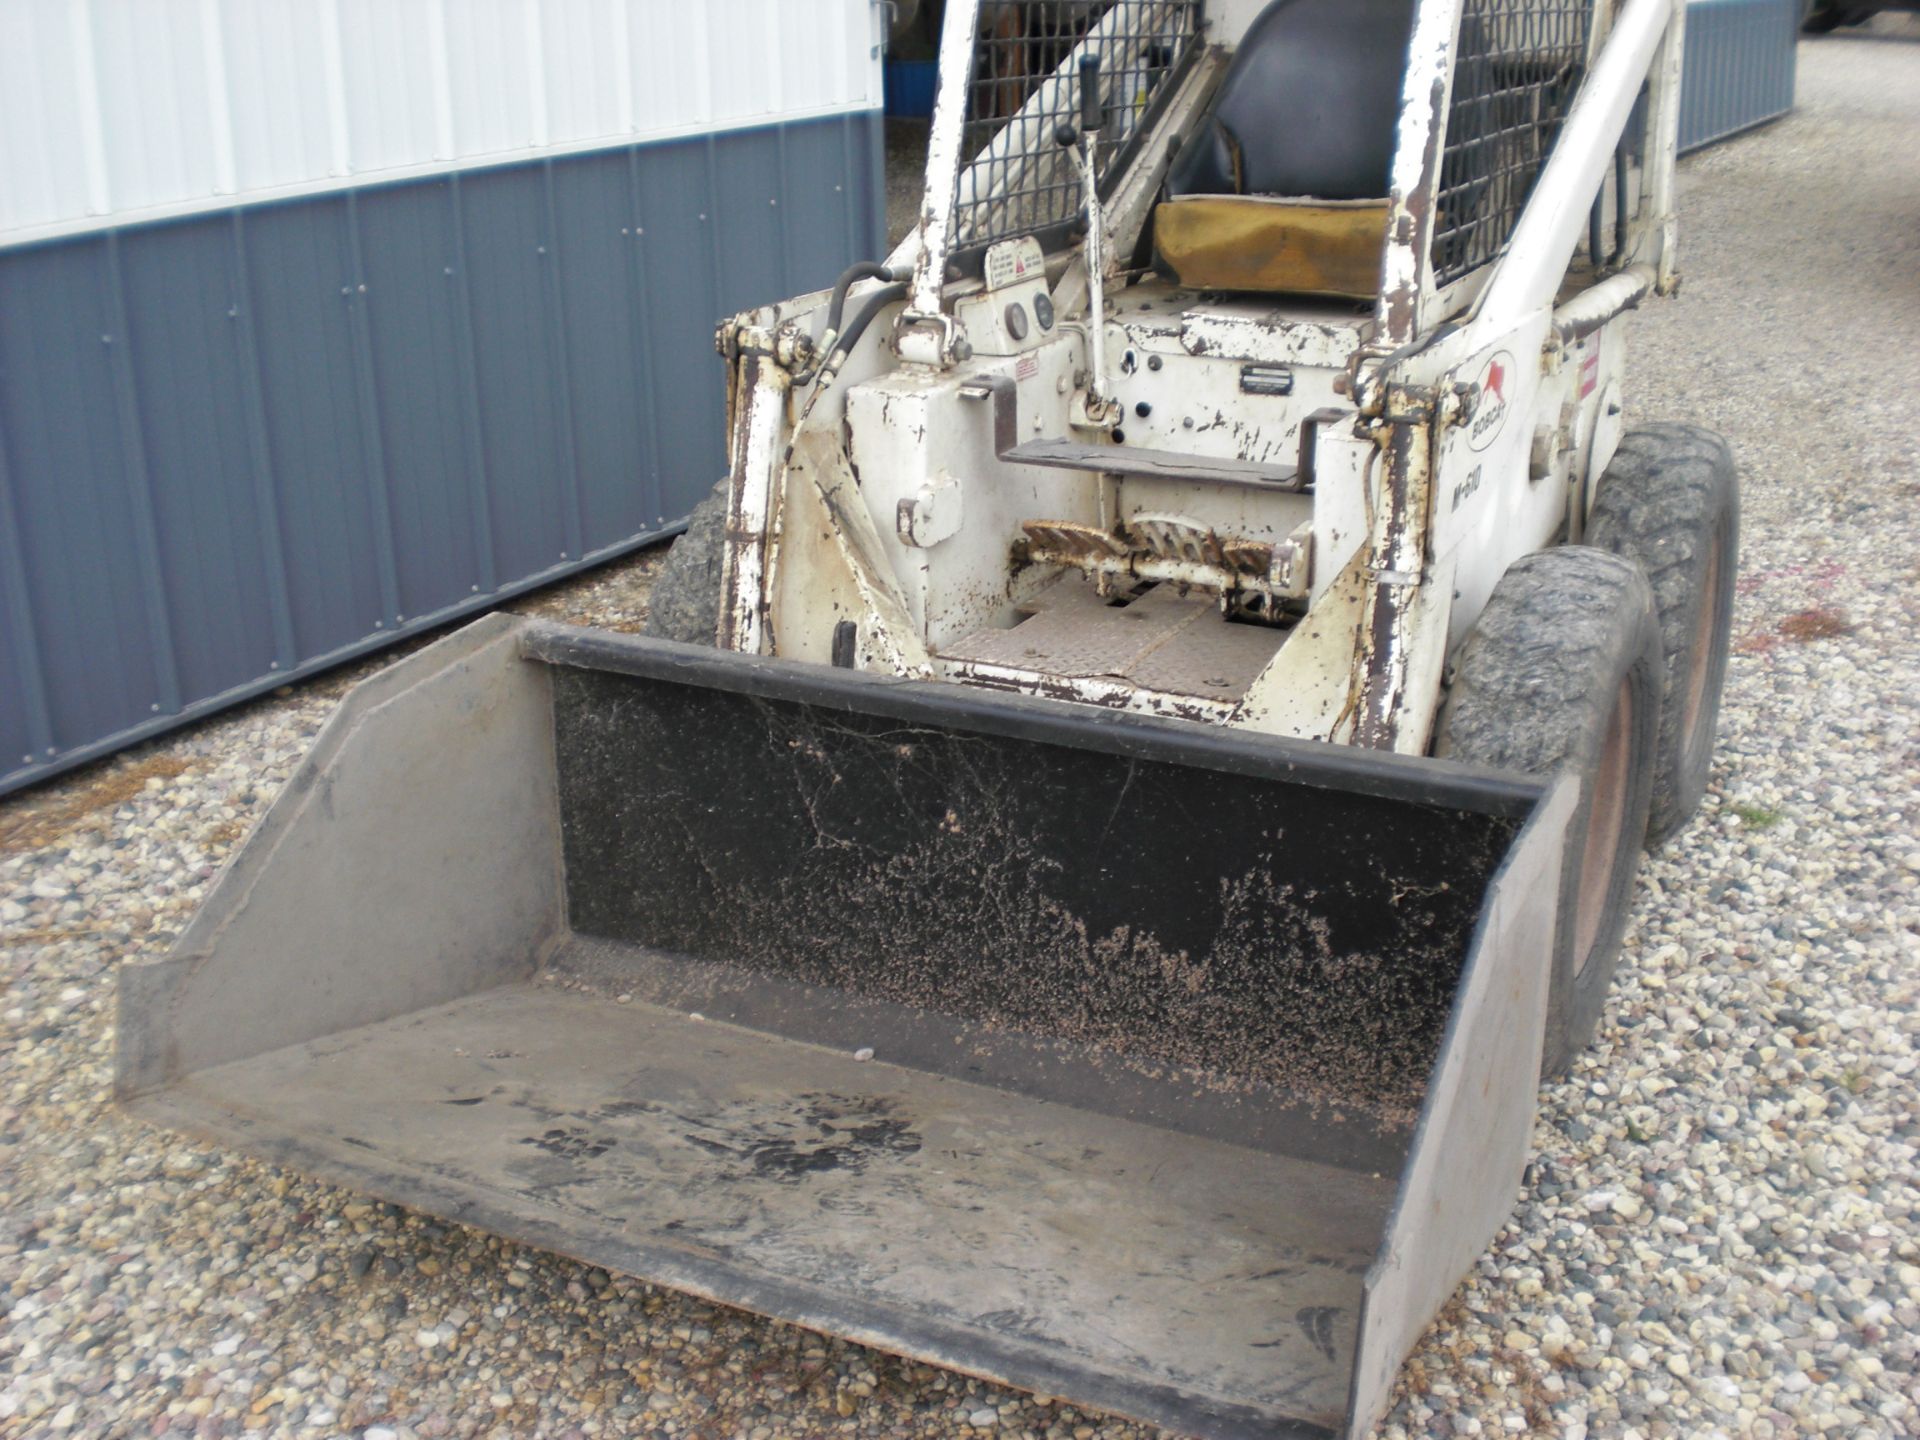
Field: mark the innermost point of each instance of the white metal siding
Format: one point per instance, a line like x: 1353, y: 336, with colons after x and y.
x: 115, y: 110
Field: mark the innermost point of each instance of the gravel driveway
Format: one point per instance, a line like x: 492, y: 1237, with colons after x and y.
x: 1718, y: 1234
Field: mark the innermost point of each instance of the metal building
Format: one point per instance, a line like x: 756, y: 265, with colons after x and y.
x: 1739, y: 67
x: 323, y: 321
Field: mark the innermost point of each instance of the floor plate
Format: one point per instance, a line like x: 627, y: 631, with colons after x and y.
x: 1161, y: 641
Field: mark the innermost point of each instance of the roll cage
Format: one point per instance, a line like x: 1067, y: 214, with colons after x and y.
x: 1522, y: 143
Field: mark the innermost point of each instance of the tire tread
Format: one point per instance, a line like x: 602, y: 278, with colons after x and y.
x: 1534, y: 687
x: 1665, y: 495
x: 685, y: 601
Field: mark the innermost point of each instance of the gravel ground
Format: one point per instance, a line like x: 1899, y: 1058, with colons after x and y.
x: 1718, y: 1234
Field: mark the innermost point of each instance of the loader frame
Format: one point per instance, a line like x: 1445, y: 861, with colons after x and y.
x: 1404, y: 543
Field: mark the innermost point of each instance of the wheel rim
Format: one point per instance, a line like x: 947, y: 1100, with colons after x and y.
x: 1606, y: 814
x: 1700, y: 662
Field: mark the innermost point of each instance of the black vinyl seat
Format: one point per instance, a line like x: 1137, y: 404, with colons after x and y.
x: 1308, y: 107
x: 1282, y: 187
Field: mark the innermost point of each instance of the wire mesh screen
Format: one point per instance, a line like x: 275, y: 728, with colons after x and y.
x: 1023, y: 87
x: 1519, y: 63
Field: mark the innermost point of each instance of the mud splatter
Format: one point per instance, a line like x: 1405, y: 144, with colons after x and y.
x: 820, y: 1133
x: 1316, y: 1323
x: 571, y: 1144
x: 1228, y: 932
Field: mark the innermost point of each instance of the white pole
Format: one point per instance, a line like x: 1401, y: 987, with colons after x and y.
x: 1096, y: 269
x: 943, y: 155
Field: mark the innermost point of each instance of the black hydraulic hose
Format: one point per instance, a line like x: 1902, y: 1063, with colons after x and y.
x: 1619, y: 203
x: 859, y: 270
x: 1593, y: 225
x: 877, y: 301
x: 841, y: 346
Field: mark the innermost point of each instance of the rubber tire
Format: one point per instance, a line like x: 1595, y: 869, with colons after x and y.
x: 1670, y: 502
x: 685, y: 601
x: 1535, y: 688
x: 1823, y: 19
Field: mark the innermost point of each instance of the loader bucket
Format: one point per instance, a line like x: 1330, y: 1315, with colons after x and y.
x: 1173, y: 1071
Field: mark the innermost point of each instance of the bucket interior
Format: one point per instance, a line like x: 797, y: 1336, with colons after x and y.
x: 992, y: 904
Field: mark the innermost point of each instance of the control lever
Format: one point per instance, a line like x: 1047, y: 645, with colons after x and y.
x: 1097, y: 410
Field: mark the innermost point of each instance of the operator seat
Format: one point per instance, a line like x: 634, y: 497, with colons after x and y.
x: 1282, y: 186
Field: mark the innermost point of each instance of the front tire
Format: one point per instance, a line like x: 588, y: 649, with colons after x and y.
x: 1562, y: 673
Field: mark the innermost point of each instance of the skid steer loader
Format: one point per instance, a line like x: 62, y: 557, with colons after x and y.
x: 1140, y: 764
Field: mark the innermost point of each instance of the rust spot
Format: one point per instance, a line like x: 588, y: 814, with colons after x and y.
x: 1823, y: 622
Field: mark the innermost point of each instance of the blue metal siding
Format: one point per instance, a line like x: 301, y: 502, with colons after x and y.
x: 240, y: 447
x: 677, y: 257
x: 1738, y: 67
x: 192, y: 421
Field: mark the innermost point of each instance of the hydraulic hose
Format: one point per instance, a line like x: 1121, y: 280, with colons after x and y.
x: 841, y: 346
x: 1619, y: 202
x: 859, y: 270
x: 877, y: 301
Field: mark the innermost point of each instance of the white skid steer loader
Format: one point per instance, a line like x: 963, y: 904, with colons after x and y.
x: 1138, y: 767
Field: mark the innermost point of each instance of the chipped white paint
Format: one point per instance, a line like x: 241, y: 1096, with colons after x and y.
x: 1305, y: 690
x: 1658, y: 238
x: 889, y: 640
x: 932, y: 515
x: 1406, y: 268
x: 753, y: 508
x: 1207, y: 329
x: 1087, y: 690
x: 1096, y: 405
x: 943, y: 160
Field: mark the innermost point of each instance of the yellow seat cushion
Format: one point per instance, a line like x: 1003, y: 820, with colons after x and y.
x: 1274, y: 245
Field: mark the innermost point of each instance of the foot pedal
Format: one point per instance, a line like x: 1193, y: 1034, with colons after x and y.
x: 1250, y: 576
x: 1176, y: 537
x: 1072, y: 542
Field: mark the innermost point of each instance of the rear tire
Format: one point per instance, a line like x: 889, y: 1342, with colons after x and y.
x: 1670, y: 502
x: 1562, y: 672
x: 685, y: 602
